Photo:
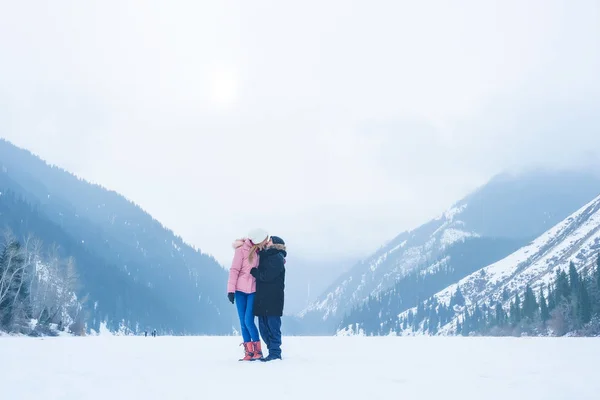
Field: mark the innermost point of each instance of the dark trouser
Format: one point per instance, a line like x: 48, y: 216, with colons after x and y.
x: 270, y: 331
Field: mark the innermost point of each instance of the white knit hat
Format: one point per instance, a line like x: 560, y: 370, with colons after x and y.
x: 258, y: 235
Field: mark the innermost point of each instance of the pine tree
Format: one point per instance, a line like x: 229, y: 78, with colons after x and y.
x: 457, y: 298
x: 512, y: 313
x: 563, y: 288
x: 595, y: 292
x: 598, y: 272
x: 573, y: 278
x: 500, y: 315
x: 530, y: 306
x: 433, y: 322
x: 505, y: 294
x: 584, y: 305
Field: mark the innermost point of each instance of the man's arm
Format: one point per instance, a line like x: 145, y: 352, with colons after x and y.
x: 270, y: 270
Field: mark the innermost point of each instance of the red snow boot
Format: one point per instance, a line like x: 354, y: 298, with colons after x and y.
x: 249, y: 351
x: 257, y: 351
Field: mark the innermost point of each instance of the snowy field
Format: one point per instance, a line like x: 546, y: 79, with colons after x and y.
x: 171, y: 368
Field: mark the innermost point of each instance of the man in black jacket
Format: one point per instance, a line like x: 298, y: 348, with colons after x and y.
x: 268, y: 301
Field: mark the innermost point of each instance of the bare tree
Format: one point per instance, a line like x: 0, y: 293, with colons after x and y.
x: 12, y: 276
x: 11, y: 264
x: 45, y: 281
x: 38, y: 286
x: 33, y: 251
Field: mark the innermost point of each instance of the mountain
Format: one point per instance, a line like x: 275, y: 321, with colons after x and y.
x: 134, y: 271
x: 307, y: 278
x: 499, y: 217
x: 500, y: 297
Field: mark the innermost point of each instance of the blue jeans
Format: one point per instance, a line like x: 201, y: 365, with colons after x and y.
x: 270, y: 330
x: 245, y: 306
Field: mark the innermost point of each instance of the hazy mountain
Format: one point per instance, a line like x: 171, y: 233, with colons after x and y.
x: 134, y: 269
x: 501, y: 296
x: 306, y: 279
x: 485, y: 226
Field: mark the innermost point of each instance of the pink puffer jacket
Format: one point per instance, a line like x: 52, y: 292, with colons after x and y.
x: 239, y: 273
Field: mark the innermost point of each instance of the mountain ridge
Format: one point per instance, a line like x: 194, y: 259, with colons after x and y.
x: 573, y: 241
x: 123, y: 240
x: 515, y: 207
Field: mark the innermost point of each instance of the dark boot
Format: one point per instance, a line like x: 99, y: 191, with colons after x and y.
x: 271, y: 357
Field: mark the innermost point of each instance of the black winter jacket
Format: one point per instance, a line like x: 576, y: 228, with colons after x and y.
x: 270, y: 282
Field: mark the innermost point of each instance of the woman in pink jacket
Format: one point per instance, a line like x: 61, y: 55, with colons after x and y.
x: 241, y: 288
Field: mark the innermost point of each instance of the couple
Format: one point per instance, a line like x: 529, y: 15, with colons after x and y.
x: 256, y: 284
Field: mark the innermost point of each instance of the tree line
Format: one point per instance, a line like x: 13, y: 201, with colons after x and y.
x: 38, y: 289
x: 569, y: 304
x: 378, y: 315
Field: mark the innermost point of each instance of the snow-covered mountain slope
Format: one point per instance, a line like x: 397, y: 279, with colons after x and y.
x: 131, y: 267
x: 576, y: 239
x: 515, y: 207
x: 405, y: 253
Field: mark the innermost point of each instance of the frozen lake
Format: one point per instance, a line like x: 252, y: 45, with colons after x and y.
x: 171, y: 368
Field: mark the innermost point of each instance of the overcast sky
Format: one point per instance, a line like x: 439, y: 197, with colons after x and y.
x: 335, y: 124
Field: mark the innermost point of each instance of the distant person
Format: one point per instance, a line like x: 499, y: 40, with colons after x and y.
x: 241, y: 288
x: 270, y: 286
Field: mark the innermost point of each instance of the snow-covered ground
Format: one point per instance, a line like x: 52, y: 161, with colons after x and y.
x: 173, y: 368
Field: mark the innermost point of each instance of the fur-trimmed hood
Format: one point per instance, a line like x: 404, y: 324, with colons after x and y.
x: 273, y: 249
x: 280, y: 247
